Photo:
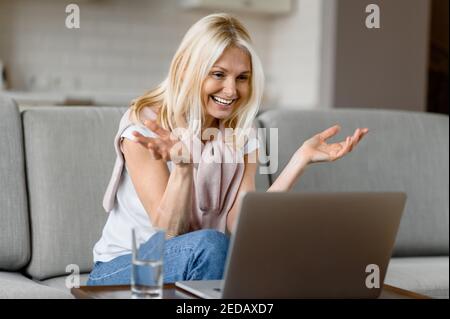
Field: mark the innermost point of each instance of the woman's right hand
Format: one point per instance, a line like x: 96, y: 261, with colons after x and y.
x: 166, y: 146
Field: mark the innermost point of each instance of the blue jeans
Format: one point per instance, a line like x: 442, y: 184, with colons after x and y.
x: 197, y: 255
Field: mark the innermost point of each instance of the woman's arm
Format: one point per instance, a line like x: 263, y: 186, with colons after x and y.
x: 174, y: 209
x: 165, y: 197
x: 290, y: 174
x: 313, y: 150
x: 283, y: 183
x: 247, y: 185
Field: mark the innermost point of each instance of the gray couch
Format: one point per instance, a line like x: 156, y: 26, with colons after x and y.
x: 55, y: 163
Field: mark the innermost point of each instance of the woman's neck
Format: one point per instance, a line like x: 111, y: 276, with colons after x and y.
x: 210, y: 122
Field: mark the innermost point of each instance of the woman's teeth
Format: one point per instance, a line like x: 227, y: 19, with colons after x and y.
x: 222, y: 101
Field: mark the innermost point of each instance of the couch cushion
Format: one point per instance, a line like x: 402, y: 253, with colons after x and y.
x: 14, y: 224
x: 60, y: 282
x: 424, y: 275
x: 404, y: 151
x: 16, y: 286
x: 69, y: 156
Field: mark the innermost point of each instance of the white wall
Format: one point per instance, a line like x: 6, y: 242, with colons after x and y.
x: 327, y: 54
x: 293, y: 72
x: 126, y: 46
x: 318, y: 56
x: 121, y: 45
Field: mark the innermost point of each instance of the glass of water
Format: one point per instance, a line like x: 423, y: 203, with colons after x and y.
x: 147, y: 264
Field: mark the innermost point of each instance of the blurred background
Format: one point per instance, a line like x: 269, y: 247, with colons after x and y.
x: 317, y: 54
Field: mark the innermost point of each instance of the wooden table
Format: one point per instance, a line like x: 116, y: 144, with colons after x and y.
x: 172, y: 292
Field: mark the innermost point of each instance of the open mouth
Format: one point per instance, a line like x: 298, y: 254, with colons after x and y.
x: 221, y: 101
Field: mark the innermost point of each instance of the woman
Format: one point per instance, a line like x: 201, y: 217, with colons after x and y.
x: 215, y: 82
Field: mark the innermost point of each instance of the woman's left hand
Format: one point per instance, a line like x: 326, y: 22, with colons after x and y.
x: 317, y: 150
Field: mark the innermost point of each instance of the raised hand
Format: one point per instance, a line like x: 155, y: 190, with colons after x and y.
x: 316, y: 149
x: 166, y: 146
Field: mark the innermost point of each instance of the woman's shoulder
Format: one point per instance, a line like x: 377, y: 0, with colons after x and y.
x: 149, y: 113
x: 136, y: 123
x: 144, y: 113
x: 128, y: 132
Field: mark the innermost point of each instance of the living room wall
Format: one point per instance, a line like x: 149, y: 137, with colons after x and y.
x: 320, y: 55
x: 126, y: 46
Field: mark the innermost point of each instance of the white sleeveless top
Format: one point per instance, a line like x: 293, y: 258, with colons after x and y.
x: 128, y: 212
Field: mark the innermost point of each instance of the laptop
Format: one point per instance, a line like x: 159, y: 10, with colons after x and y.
x: 308, y: 245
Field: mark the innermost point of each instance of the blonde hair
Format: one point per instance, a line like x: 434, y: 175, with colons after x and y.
x: 179, y: 97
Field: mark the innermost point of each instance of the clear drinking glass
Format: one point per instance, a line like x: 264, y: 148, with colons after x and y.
x: 147, y: 265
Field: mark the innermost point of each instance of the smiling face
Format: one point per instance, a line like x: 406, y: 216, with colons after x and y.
x: 227, y: 85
